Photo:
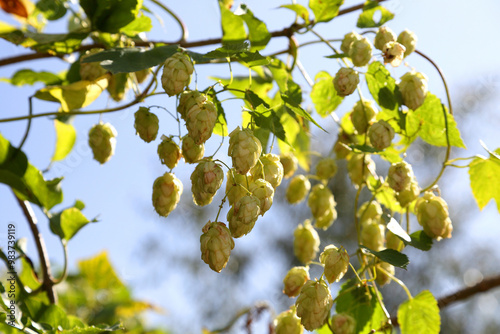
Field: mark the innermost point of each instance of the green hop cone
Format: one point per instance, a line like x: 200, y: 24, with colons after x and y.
x: 393, y: 53
x: 216, y: 245
x: 349, y: 38
x: 167, y: 191
x: 206, y: 179
x: 400, y: 176
x: 264, y: 191
x: 91, y: 71
x: 341, y: 149
x: 236, y: 187
x: 383, y: 270
x: 335, y: 261
x: 176, y: 74
x: 187, y: 100
x: 343, y: 323
x: 142, y: 75
x: 373, y: 235
x: 169, y: 152
x: 289, y: 163
x: 369, y: 210
x: 244, y: 150
x: 117, y: 86
x: 326, y: 220
x: 409, y: 194
x: 191, y: 151
x: 360, y: 52
x: 384, y: 35
x: 200, y: 121
x: 413, y: 88
x: 381, y: 135
x: 363, y: 115
x: 326, y: 168
x: 295, y: 280
x: 346, y: 80
x: 269, y: 168
x: 243, y: 215
x: 102, y: 141
x: 288, y: 323
x: 322, y: 205
x: 298, y: 188
x: 359, y: 167
x: 314, y: 304
x: 393, y: 241
x: 432, y: 213
x: 305, y: 242
x: 409, y: 40
x: 146, y: 124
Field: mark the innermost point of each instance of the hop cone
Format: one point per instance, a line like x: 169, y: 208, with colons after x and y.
x: 369, y: 210
x: 384, y: 35
x: 322, y: 205
x: 236, y: 187
x: 349, y: 38
x: 340, y: 149
x: 432, y: 214
x: 409, y: 194
x: 326, y: 220
x: 409, y: 40
x: 381, y: 135
x: 176, y: 74
x: 413, y: 88
x: 216, y: 245
x: 363, y: 115
x: 346, y: 80
x: 142, y: 75
x: 188, y: 99
x: 399, y: 176
x: 191, y: 151
x: 244, y: 149
x: 288, y: 323
x: 243, y: 215
x: 295, y: 280
x: 298, y: 188
x: 343, y: 323
x: 305, y: 242
x: 269, y: 168
x: 393, y: 53
x: 206, y: 179
x: 336, y: 262
x: 381, y: 270
x: 146, y: 124
x: 314, y: 304
x: 360, y: 52
x: 169, y: 152
x: 200, y: 121
x: 117, y: 86
x: 102, y: 141
x: 359, y: 167
x: 264, y: 191
x: 373, y: 235
x: 167, y: 190
x: 326, y: 168
x: 289, y: 162
x: 91, y: 71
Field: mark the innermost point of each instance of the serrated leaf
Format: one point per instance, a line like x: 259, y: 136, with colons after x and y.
x: 228, y: 49
x: 51, y: 9
x: 391, y: 256
x: 420, y: 315
x: 300, y: 10
x: 140, y: 24
x: 370, y: 8
x: 325, y: 10
x: 99, y: 272
x: 233, y: 26
x: 258, y: 34
x: 297, y: 134
x: 65, y: 140
x: 387, y: 197
x: 30, y: 77
x: 67, y: 223
x: 254, y: 100
x: 110, y: 15
x: 324, y: 95
x: 484, y: 174
x: 420, y: 240
x: 297, y: 109
x: 363, y: 148
x: 252, y: 58
x: 268, y: 119
x: 55, y: 43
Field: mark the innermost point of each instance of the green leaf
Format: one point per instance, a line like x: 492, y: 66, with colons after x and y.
x: 27, y: 276
x: 391, y: 256
x: 370, y: 8
x: 429, y: 122
x: 221, y: 125
x: 297, y: 109
x: 55, y: 43
x: 65, y: 140
x: 268, y: 119
x: 110, y: 15
x: 324, y: 95
x: 420, y: 240
x: 484, y: 174
x: 387, y: 197
x: 363, y: 148
x: 258, y: 34
x: 54, y: 316
x: 99, y: 273
x: 395, y: 228
x: 30, y: 77
x: 228, y: 49
x: 141, y: 24
x: 297, y: 134
x: 338, y: 56
x: 51, y: 9
x: 233, y: 26
x: 420, y: 314
x: 325, y: 10
x: 254, y: 100
x: 67, y: 223
x: 300, y: 10
x: 253, y: 58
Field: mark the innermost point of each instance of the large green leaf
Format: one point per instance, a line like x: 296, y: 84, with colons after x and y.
x: 258, y: 34
x: 420, y: 240
x: 370, y: 8
x: 233, y: 26
x: 142, y: 23
x: 52, y: 9
x: 391, y: 256
x: 325, y: 10
x: 99, y: 273
x: 419, y: 315
x: 268, y: 119
x: 58, y: 43
x: 111, y: 15
x: 300, y: 10
x: 67, y: 223
x: 484, y: 176
x: 30, y: 77
x: 65, y: 139
x: 324, y: 95
x: 297, y: 134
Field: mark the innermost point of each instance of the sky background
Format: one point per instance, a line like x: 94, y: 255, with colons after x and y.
x: 458, y: 35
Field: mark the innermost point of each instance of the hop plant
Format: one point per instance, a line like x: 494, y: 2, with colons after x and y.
x: 432, y: 213
x: 117, y: 86
x: 176, y: 74
x: 269, y: 168
x: 142, y: 75
x: 349, y: 38
x: 322, y: 203
x: 91, y: 71
x: 243, y: 215
x: 326, y: 168
x: 167, y: 191
x: 393, y: 53
x: 295, y: 280
x: 340, y: 148
x: 244, y: 149
x: 343, y: 323
x: 188, y: 99
x: 102, y: 141
x: 383, y: 271
x: 289, y: 163
x: 326, y: 220
x: 335, y: 261
x: 146, y: 124
x: 381, y: 135
x: 288, y: 323
x: 409, y: 40
x: 359, y: 167
x: 400, y: 176
x: 369, y: 210
x: 314, y: 304
x: 169, y: 152
x: 384, y: 35
x: 393, y: 241
x: 191, y: 151
x: 200, y: 121
x: 235, y: 186
x: 206, y: 179
x: 360, y: 52
x: 413, y: 88
x: 297, y: 190
x: 264, y: 191
x: 305, y: 242
x: 346, y: 80
x: 409, y: 194
x: 373, y: 235
x: 363, y: 115
x: 216, y: 245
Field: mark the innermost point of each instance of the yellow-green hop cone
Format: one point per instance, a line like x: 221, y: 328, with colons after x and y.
x: 336, y: 262
x: 320, y: 201
x: 102, y: 141
x: 363, y: 115
x: 359, y: 167
x: 289, y: 162
x: 200, y: 121
x: 187, y: 100
x: 269, y: 168
x: 191, y: 151
x: 346, y: 80
x: 384, y: 35
x: 91, y: 71
x: 206, y: 179
x: 409, y: 40
x: 264, y: 191
x: 288, y: 323
x: 167, y: 191
x: 326, y: 168
x: 373, y: 235
x: 432, y: 213
x: 369, y: 210
x: 360, y: 52
x: 176, y: 74
x: 146, y: 124
x: 298, y: 188
x: 117, y: 86
x: 341, y: 149
x: 243, y: 215
x: 306, y: 242
x: 343, y: 323
x: 381, y: 135
x: 349, y: 38
x: 236, y: 187
x: 216, y: 245
x: 394, y: 242
x: 142, y: 75
x: 409, y: 194
x: 244, y: 149
x: 314, y: 304
x: 393, y: 53
x: 295, y: 280
x: 413, y: 88
x: 400, y: 176
x: 169, y: 152
x: 382, y: 270
x: 326, y: 220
